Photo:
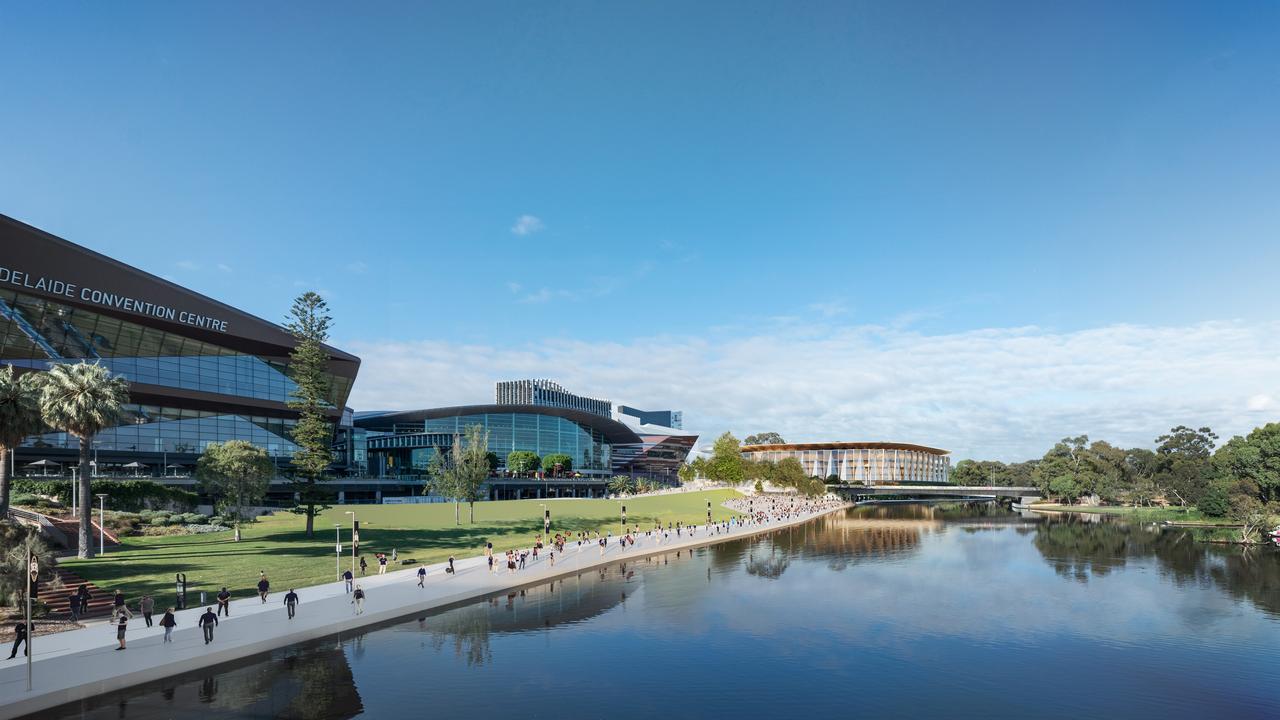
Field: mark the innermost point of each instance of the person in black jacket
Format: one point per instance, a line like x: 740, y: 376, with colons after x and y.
x: 20, y: 638
x: 84, y: 595
x: 73, y: 606
x: 291, y: 602
x: 263, y: 586
x: 224, y: 602
x: 168, y: 622
x: 207, y: 621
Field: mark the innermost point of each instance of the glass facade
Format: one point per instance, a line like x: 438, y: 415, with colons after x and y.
x: 34, y: 332
x: 541, y: 434
x: 151, y: 429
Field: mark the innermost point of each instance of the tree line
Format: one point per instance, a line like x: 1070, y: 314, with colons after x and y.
x: 1239, y: 479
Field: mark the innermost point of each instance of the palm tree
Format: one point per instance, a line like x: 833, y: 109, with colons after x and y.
x: 83, y: 400
x: 19, y: 417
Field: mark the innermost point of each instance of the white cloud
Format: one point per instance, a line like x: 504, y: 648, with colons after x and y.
x: 224, y: 267
x: 514, y: 287
x: 188, y: 265
x: 358, y: 267
x: 830, y: 308
x: 1005, y: 393
x: 527, y: 225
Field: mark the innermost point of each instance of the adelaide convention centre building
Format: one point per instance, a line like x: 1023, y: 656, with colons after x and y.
x: 201, y: 371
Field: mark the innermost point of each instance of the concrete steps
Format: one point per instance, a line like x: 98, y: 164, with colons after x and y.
x: 99, y: 602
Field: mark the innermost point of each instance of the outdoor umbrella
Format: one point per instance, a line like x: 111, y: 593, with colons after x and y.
x: 134, y: 464
x: 43, y: 465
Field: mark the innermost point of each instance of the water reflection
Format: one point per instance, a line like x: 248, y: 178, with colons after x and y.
x: 874, y: 598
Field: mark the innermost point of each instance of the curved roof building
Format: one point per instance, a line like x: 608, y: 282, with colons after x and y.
x: 868, y: 463
x: 401, y: 443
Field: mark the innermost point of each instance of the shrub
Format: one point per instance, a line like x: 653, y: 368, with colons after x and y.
x: 164, y: 530
x: 174, y: 519
x: 194, y: 518
x: 218, y: 520
x: 158, y: 521
x: 1216, y: 501
x: 200, y: 529
x: 26, y: 499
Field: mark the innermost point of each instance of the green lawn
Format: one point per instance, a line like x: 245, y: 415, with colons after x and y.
x: 1141, y: 514
x: 278, y: 544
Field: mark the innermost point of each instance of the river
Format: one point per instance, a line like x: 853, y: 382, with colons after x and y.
x: 940, y: 611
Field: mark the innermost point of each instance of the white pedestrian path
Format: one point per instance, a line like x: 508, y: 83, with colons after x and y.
x: 80, y: 664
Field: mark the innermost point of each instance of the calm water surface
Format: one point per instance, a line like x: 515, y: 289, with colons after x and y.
x: 886, y: 611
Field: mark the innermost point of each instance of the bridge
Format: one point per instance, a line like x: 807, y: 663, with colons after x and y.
x: 968, y: 491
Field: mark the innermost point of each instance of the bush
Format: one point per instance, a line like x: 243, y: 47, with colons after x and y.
x: 218, y: 520
x: 124, y: 494
x: 164, y: 530
x: 200, y: 529
x: 174, y: 519
x: 158, y: 521
x: 1216, y: 501
x: 194, y: 518
x: 26, y: 499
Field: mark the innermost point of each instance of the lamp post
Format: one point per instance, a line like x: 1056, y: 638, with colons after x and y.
x: 622, y: 523
x: 352, y: 513
x: 546, y: 522
x: 337, y: 557
x: 74, y: 491
x: 102, y: 523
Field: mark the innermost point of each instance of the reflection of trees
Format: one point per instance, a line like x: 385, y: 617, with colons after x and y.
x: 468, y: 628
x: 1082, y: 550
x: 769, y: 566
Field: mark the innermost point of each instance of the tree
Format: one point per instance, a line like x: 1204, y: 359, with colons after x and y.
x: 15, y: 542
x: 461, y: 471
x: 313, y: 434
x: 688, y: 472
x: 764, y: 438
x: 19, y: 417
x: 1068, y: 470
x: 1183, y: 468
x: 726, y: 464
x: 82, y: 400
x: 523, y: 462
x: 621, y: 485
x: 236, y: 474
x: 552, y: 460
x: 1249, y: 511
x: 1254, y: 458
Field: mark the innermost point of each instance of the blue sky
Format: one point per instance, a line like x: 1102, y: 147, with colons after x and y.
x: 658, y: 185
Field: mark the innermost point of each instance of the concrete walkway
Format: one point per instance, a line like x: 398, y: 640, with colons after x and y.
x: 80, y: 664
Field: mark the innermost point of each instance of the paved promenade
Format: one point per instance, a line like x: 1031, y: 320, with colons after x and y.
x: 80, y: 664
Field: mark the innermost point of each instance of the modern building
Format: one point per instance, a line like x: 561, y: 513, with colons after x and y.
x: 199, y: 371
x: 545, y: 393
x: 868, y: 463
x: 398, y: 446
x: 666, y: 418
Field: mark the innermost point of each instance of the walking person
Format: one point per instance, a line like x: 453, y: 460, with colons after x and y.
x: 73, y: 606
x: 147, y: 605
x: 207, y: 621
x: 263, y: 586
x: 449, y: 569
x: 364, y: 566
x: 117, y: 602
x: 20, y: 638
x: 358, y: 600
x: 348, y: 578
x: 168, y: 621
x: 382, y: 564
x: 122, y: 621
x: 422, y: 575
x: 291, y: 602
x: 83, y: 593
x: 224, y: 602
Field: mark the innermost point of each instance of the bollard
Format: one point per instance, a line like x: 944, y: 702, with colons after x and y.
x: 202, y: 600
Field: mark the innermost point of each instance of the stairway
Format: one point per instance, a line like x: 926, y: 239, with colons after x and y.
x: 70, y: 528
x: 56, y: 599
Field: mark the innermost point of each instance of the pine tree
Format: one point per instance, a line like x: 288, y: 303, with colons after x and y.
x: 313, y: 434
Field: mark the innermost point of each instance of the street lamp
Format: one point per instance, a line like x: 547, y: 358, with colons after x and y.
x: 102, y: 523
x: 352, y: 513
x: 337, y: 557
x: 546, y: 522
x: 623, y: 522
x: 74, y: 490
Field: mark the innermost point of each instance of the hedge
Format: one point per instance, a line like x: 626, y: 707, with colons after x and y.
x: 128, y: 495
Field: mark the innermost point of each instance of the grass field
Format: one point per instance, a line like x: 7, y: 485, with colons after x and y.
x: 278, y: 544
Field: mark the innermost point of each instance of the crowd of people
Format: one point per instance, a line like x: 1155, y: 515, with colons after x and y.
x: 756, y: 511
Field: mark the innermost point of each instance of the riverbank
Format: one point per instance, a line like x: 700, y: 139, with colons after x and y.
x: 1189, y: 517
x: 79, y: 664
x: 427, y: 533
